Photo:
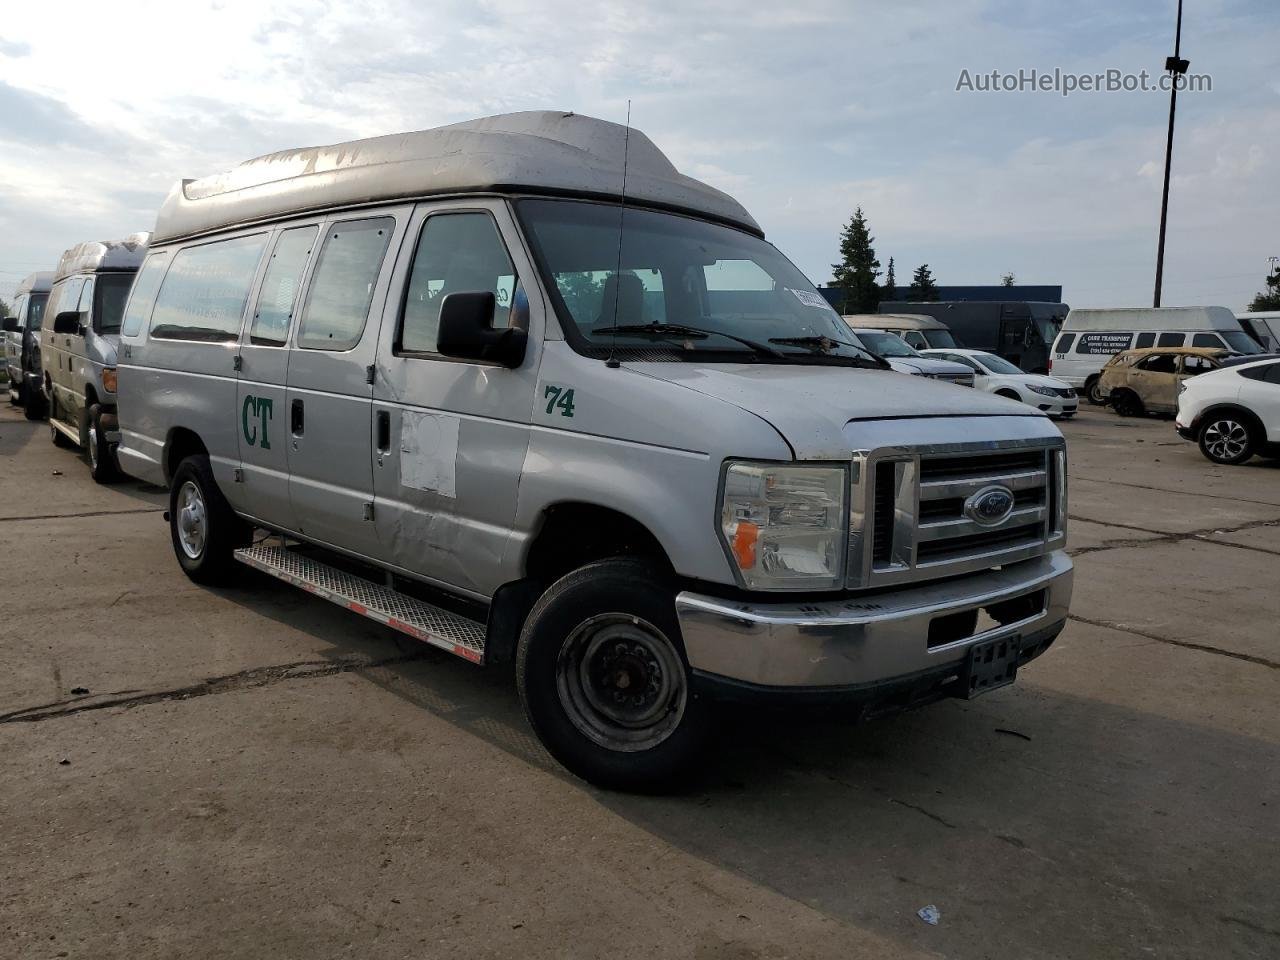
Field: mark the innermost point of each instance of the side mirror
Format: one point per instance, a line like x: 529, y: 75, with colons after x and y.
x: 11, y: 325
x: 466, y: 331
x: 68, y: 321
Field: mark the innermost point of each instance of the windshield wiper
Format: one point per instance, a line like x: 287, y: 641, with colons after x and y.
x: 666, y: 331
x: 824, y: 346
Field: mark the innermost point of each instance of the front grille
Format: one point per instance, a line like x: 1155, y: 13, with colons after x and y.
x: 920, y: 528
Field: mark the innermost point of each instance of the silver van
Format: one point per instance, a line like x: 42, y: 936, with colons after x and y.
x: 478, y: 386
x: 22, y: 343
x: 919, y: 331
x: 79, y: 343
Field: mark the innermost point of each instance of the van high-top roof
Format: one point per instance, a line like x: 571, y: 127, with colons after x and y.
x: 1150, y: 318
x: 97, y: 256
x: 895, y: 321
x: 34, y: 283
x: 543, y: 152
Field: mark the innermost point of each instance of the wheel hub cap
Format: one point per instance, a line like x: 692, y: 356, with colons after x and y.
x: 193, y: 520
x: 1226, y: 439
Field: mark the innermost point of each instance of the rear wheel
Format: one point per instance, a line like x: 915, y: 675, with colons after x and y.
x: 602, y: 675
x: 1093, y: 390
x: 1127, y: 403
x: 1226, y: 438
x: 204, y: 529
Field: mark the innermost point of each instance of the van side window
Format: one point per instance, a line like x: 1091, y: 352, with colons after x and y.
x: 1171, y: 339
x: 17, y: 309
x: 66, y: 295
x: 1207, y: 340
x: 1145, y: 340
x: 280, y: 286
x: 143, y: 296
x: 1064, y: 343
x: 203, y: 295
x: 915, y: 339
x: 457, y: 253
x: 341, y: 288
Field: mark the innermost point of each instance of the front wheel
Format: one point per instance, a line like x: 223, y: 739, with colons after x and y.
x: 1225, y: 438
x: 1128, y: 403
x: 204, y: 529
x: 102, y: 462
x: 602, y: 675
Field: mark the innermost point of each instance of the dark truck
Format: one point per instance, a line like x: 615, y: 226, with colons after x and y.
x: 1021, y: 331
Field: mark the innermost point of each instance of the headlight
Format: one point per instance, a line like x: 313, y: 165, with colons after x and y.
x: 109, y: 379
x: 784, y: 526
x: 1043, y: 391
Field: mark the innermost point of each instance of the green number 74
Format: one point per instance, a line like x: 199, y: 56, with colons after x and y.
x: 559, y: 398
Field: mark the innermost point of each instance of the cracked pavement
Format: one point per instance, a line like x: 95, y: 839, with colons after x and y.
x: 255, y: 772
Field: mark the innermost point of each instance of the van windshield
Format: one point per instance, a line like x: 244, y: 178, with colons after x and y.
x: 940, y: 339
x: 672, y: 271
x: 35, y: 310
x: 1241, y: 342
x: 109, y: 295
x: 885, y: 344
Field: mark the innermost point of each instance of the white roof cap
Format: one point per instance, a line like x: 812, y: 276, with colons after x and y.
x: 34, y: 283
x: 93, y: 256
x: 546, y: 152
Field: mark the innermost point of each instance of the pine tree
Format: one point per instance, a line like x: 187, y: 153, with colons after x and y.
x: 923, y: 289
x: 4, y: 309
x: 858, y: 268
x: 890, y: 284
x: 1271, y: 299
x: 1007, y: 280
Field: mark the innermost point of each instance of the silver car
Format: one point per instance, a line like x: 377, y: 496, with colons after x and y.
x: 476, y: 389
x: 78, y: 347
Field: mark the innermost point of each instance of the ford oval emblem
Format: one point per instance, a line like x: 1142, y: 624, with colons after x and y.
x: 990, y: 506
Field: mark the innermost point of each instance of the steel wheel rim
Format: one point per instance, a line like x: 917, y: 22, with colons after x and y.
x: 192, y: 520
x: 93, y: 448
x: 1226, y: 439
x: 621, y: 682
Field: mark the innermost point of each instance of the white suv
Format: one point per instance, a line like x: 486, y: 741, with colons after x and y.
x: 1234, y: 412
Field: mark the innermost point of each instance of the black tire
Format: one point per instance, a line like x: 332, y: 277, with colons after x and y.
x: 1227, y: 437
x: 18, y: 395
x: 1093, y: 392
x: 595, y: 633
x: 1127, y: 403
x: 206, y: 558
x: 102, y: 459
x: 32, y: 403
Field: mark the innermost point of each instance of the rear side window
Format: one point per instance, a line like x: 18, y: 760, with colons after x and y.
x: 203, y: 295
x: 1064, y: 343
x: 1193, y: 366
x: 1171, y: 339
x: 1207, y: 340
x: 1103, y: 344
x: 1145, y: 340
x: 280, y: 286
x: 143, y: 297
x: 342, y: 286
x: 1267, y: 373
x: 457, y: 253
x: 1159, y: 363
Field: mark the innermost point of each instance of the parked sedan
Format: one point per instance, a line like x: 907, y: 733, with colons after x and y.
x: 994, y: 374
x: 1233, y: 413
x: 907, y: 359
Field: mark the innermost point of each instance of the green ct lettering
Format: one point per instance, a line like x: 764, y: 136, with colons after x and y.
x: 260, y: 408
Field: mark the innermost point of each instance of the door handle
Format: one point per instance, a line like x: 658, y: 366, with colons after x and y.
x: 296, y: 420
x: 384, y: 431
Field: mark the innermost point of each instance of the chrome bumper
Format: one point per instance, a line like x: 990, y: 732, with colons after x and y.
x: 866, y: 641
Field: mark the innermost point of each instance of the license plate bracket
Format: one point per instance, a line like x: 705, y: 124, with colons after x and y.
x: 989, y: 666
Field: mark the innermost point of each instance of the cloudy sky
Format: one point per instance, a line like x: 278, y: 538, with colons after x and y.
x: 802, y: 110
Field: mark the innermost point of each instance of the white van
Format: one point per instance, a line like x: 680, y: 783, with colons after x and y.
x: 919, y: 331
x: 1263, y: 327
x: 1092, y: 336
x: 476, y: 397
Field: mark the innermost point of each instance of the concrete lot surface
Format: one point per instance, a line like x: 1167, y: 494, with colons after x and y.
x: 255, y: 773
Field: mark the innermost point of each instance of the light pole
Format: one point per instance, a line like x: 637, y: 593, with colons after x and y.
x: 1176, y: 67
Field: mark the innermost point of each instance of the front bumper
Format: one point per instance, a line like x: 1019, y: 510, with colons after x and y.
x: 857, y: 646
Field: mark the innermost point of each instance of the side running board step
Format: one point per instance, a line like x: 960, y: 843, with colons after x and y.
x: 421, y: 620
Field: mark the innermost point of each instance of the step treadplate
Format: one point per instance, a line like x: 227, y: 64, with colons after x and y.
x: 419, y: 619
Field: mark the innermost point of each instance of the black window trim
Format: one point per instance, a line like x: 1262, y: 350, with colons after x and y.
x: 397, y: 350
x: 376, y: 213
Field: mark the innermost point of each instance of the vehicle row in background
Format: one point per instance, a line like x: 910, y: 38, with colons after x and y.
x: 22, y: 343
x: 905, y: 358
x: 1019, y: 331
x: 1049, y: 395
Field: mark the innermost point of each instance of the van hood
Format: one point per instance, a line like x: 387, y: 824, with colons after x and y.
x: 813, y: 407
